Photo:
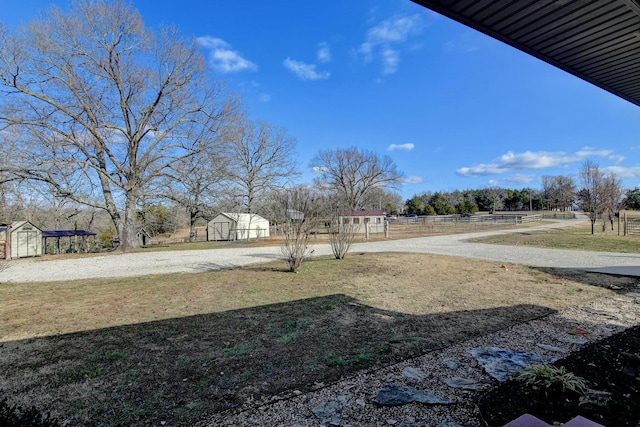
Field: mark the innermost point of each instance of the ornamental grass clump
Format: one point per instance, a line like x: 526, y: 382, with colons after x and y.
x: 550, y: 379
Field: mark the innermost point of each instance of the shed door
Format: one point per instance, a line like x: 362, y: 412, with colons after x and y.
x: 27, y: 243
x: 221, y: 231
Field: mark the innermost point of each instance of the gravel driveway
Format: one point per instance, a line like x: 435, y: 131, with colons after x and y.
x: 140, y: 264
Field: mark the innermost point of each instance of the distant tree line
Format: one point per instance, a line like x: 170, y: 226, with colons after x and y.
x: 599, y: 194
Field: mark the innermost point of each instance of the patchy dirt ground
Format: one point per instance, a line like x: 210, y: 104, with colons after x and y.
x: 178, y: 348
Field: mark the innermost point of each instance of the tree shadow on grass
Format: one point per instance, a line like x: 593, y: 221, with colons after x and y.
x: 181, y: 370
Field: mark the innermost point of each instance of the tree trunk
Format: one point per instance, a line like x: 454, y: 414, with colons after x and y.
x: 127, y: 230
x: 193, y: 215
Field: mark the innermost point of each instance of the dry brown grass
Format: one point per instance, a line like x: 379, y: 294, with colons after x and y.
x: 577, y: 237
x: 172, y: 348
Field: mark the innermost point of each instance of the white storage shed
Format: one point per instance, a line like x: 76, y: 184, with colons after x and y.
x: 237, y: 226
x: 26, y: 240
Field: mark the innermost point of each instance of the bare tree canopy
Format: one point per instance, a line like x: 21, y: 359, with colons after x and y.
x: 196, y: 184
x: 101, y: 106
x: 301, y: 210
x: 559, y: 191
x: 612, y: 198
x: 591, y: 195
x: 352, y: 173
x: 261, y: 159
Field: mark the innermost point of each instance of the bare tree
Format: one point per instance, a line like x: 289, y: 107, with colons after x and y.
x: 565, y: 191
x: 195, y: 183
x: 353, y: 173
x: 382, y: 199
x: 342, y: 233
x: 495, y: 196
x: 612, y: 197
x: 103, y: 105
x: 301, y: 210
x: 591, y: 195
x: 559, y: 191
x: 260, y: 160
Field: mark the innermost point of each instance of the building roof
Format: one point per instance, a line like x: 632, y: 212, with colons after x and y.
x: 366, y: 213
x: 66, y: 233
x: 598, y: 41
x: 241, y: 217
x: 19, y: 224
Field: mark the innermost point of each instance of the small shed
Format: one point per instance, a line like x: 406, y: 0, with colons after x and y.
x: 25, y: 241
x: 143, y: 236
x: 4, y: 240
x: 237, y: 226
x: 361, y: 219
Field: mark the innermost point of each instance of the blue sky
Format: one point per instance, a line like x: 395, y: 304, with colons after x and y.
x: 452, y: 107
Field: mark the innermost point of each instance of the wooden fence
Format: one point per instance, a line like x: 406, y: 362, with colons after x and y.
x: 629, y: 222
x: 558, y: 215
x: 3, y: 250
x: 458, y: 219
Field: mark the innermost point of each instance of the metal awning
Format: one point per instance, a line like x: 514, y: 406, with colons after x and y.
x: 66, y: 233
x: 596, y: 40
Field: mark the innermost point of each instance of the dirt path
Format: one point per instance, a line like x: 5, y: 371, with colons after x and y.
x: 141, y: 264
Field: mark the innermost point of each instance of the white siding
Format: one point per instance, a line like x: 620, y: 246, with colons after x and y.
x: 26, y: 240
x: 237, y: 226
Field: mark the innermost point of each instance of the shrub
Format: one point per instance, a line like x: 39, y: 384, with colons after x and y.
x: 105, y: 237
x: 13, y: 415
x: 551, y: 379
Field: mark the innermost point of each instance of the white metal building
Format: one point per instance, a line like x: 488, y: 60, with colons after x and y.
x: 25, y: 241
x: 237, y: 226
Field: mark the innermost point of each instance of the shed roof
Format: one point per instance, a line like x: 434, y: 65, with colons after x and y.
x: 19, y: 224
x: 598, y: 41
x: 241, y: 217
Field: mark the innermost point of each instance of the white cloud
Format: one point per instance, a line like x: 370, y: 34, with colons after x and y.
x: 590, y: 151
x: 406, y: 147
x: 519, y: 178
x: 624, y: 172
x: 324, y: 53
x: 412, y: 179
x: 318, y: 169
x: 492, y: 182
x: 390, y: 60
x: 511, y: 161
x: 394, y: 30
x: 305, y: 71
x: 382, y: 40
x: 224, y: 59
x: 616, y: 158
x: 264, y: 97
